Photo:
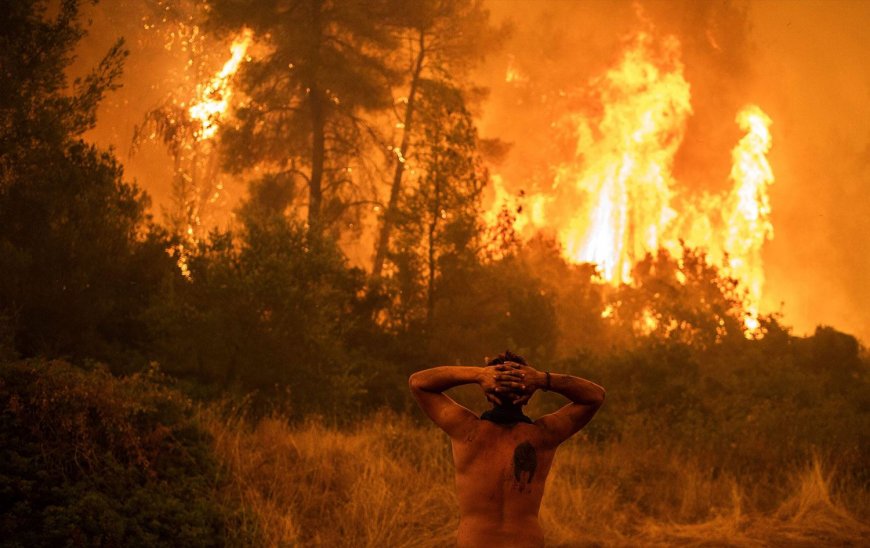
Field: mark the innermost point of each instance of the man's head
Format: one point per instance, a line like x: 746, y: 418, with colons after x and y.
x: 508, y: 412
x: 508, y: 356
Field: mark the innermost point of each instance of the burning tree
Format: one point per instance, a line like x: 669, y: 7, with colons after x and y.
x: 323, y: 67
x: 188, y: 127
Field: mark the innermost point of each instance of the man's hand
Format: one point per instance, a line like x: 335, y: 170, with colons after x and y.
x: 530, y: 380
x: 500, y: 382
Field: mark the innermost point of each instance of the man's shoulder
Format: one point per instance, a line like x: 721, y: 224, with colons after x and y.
x: 546, y: 428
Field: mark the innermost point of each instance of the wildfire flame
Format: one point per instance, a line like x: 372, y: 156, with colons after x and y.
x: 213, y: 102
x: 626, y: 172
x: 614, y: 202
x: 214, y: 97
x: 513, y: 73
x: 748, y: 219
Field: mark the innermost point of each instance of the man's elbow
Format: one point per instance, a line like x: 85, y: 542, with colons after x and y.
x: 414, y: 382
x: 599, y: 397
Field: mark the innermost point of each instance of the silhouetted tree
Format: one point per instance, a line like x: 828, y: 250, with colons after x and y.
x: 685, y: 300
x: 441, y: 39
x: 39, y: 110
x: 439, y: 219
x: 78, y: 263
x: 273, y: 308
x: 325, y: 65
x: 578, y: 300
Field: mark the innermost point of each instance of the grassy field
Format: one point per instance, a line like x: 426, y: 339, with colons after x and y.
x: 389, y: 482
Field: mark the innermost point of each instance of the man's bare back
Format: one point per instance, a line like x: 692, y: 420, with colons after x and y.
x: 502, y: 464
x: 500, y: 475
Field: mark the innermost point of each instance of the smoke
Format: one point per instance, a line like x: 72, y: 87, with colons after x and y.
x: 804, y: 64
x: 814, y: 74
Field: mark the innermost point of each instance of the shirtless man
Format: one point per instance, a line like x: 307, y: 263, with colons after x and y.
x: 502, y: 458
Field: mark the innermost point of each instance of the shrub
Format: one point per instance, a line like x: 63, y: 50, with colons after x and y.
x: 88, y: 459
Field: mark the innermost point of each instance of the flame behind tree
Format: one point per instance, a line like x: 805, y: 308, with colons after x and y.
x: 188, y: 133
x: 215, y: 96
x: 748, y: 221
x: 617, y: 200
x: 627, y: 172
x: 206, y: 114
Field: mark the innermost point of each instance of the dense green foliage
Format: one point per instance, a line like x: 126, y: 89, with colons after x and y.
x: 88, y: 459
x: 281, y: 313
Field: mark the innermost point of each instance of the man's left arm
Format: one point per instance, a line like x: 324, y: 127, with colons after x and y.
x: 428, y: 388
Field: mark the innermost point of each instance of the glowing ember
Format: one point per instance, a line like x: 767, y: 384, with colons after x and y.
x: 513, y: 74
x: 182, y: 258
x: 215, y: 96
x: 647, y: 322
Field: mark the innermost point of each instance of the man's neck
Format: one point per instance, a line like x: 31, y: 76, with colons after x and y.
x: 506, y: 414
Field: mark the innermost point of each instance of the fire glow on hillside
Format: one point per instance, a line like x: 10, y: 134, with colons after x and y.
x: 618, y: 200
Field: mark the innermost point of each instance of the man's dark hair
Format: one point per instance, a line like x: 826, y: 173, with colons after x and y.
x: 508, y: 356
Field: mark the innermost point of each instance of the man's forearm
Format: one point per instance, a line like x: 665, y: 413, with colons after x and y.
x: 574, y: 388
x: 439, y: 379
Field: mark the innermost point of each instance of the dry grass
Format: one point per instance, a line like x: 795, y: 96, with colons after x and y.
x: 386, y: 484
x: 390, y: 483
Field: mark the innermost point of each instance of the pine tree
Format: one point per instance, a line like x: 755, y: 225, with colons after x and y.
x: 78, y: 263
x: 441, y: 39
x: 324, y: 68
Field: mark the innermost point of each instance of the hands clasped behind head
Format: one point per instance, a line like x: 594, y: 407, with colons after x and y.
x: 509, y: 384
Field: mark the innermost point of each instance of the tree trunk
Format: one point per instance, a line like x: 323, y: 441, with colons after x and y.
x: 318, y: 123
x: 315, y: 183
x: 396, y: 187
x: 433, y: 225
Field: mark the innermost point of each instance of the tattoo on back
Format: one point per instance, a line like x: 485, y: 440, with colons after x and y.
x: 525, y: 462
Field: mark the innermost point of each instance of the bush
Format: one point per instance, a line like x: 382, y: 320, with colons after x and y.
x: 746, y: 406
x: 275, y: 312
x: 88, y: 459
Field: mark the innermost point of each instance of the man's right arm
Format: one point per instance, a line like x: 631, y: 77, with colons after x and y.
x: 428, y: 388
x: 586, y: 398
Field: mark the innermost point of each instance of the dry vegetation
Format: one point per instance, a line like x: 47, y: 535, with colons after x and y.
x: 388, y: 482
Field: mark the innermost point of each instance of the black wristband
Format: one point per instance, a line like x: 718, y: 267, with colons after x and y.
x: 547, y: 388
